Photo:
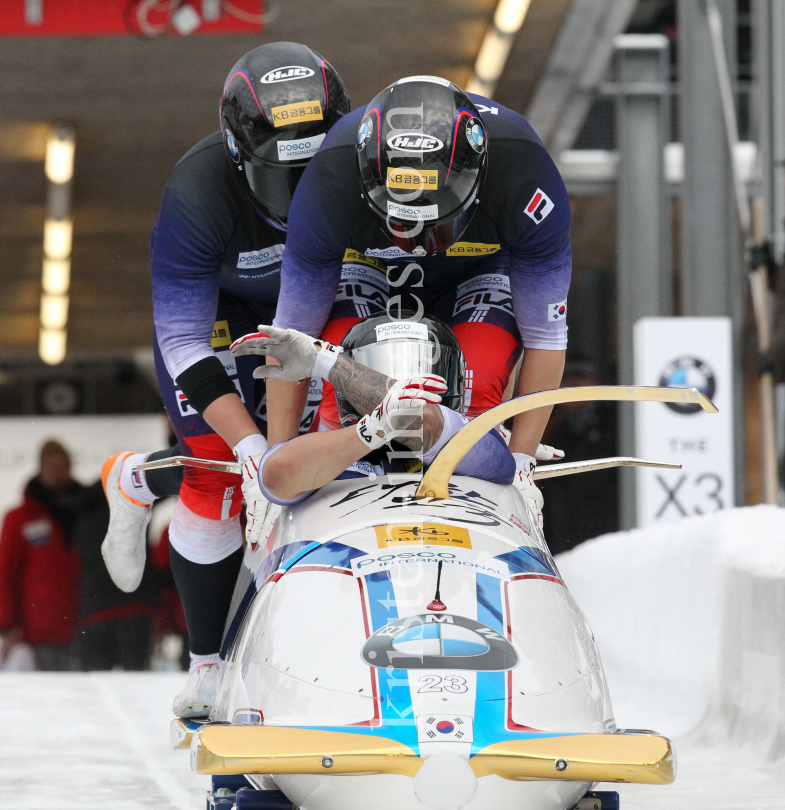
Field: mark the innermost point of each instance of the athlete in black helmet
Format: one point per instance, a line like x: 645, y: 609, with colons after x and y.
x: 443, y: 202
x: 399, y: 385
x: 216, y: 253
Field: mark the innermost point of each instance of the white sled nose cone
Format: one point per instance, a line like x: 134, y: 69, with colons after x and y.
x: 445, y: 782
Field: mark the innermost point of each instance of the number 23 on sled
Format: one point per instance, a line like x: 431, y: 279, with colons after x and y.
x: 684, y: 352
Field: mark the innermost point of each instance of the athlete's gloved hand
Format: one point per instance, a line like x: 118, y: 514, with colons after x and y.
x: 547, y: 453
x: 249, y: 452
x: 404, y: 403
x: 524, y: 483
x: 544, y: 451
x: 300, y: 356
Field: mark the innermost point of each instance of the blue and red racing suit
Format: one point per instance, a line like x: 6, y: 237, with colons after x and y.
x: 501, y: 287
x: 216, y: 268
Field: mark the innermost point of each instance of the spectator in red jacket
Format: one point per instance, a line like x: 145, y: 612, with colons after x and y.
x: 39, y: 564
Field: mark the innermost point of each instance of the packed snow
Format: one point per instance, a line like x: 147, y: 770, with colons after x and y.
x: 689, y: 618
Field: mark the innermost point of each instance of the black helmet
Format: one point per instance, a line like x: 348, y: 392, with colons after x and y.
x: 422, y: 152
x: 405, y: 347
x: 278, y: 103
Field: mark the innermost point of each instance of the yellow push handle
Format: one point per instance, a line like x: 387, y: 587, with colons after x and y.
x: 436, y: 479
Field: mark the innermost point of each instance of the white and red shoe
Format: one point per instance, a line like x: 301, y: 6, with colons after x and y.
x: 124, y: 547
x: 198, y: 696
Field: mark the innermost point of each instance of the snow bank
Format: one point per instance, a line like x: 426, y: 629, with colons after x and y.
x: 690, y: 621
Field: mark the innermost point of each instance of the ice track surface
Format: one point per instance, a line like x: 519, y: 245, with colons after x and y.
x: 690, y: 621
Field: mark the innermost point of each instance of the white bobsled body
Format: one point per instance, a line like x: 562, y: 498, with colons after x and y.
x: 331, y: 630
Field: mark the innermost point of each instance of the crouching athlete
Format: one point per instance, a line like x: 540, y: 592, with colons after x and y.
x: 389, y: 377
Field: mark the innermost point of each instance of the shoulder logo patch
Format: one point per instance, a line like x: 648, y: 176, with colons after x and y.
x: 540, y: 205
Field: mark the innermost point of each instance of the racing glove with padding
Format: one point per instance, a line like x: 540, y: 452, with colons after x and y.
x: 402, y: 406
x: 300, y: 356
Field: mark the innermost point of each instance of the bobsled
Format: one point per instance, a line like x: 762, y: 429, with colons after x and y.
x: 406, y: 642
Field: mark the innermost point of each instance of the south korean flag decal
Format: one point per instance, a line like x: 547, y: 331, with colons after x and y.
x: 445, y: 728
x: 557, y: 312
x: 540, y: 205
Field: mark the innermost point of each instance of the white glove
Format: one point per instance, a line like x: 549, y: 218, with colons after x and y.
x: 405, y: 400
x: 524, y: 483
x: 300, y: 356
x: 544, y: 451
x: 249, y: 452
x: 547, y: 453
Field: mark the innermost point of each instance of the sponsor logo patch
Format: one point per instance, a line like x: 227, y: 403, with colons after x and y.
x: 413, y: 179
x: 540, y: 205
x: 229, y: 362
x: 183, y: 405
x: 286, y: 74
x: 414, y: 142
x: 413, y: 212
x: 260, y: 258
x: 402, y: 329
x: 433, y: 79
x: 299, y: 150
x: 445, y: 727
x: 37, y: 532
x: 295, y: 113
x: 231, y: 145
x: 364, y: 258
x: 492, y: 110
x: 364, y: 132
x: 443, y: 641
x: 221, y: 336
x: 432, y: 534
x: 558, y: 311
x: 389, y: 253
x: 475, y: 134
x: 479, y: 562
x: 472, y: 249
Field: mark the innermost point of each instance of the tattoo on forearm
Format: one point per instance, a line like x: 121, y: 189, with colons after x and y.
x: 366, y: 388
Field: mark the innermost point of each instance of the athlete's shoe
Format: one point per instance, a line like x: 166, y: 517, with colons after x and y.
x: 199, y: 693
x: 124, y: 547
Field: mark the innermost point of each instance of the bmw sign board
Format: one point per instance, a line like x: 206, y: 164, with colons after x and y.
x: 684, y: 353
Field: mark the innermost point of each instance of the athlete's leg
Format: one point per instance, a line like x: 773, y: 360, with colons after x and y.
x: 364, y: 291
x: 480, y: 314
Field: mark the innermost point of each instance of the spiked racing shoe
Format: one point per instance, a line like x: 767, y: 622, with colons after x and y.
x: 124, y: 547
x: 196, y: 699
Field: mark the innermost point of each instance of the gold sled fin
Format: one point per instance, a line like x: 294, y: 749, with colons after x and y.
x: 226, y: 749
x: 223, y: 749
x: 435, y: 481
x: 640, y: 758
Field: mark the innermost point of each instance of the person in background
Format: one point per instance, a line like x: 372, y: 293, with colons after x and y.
x: 39, y: 563
x: 579, y: 507
x: 115, y: 628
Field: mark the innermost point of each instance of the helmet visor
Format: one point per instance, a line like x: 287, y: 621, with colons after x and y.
x: 272, y: 186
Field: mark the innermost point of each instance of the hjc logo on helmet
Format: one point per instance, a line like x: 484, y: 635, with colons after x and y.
x: 286, y: 74
x: 414, y: 142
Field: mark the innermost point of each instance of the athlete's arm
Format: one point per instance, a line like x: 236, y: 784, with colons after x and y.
x: 540, y: 271
x: 185, y: 248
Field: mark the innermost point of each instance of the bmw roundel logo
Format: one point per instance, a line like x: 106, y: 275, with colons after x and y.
x: 231, y: 143
x: 475, y: 134
x: 689, y: 372
x: 439, y: 641
x: 364, y: 132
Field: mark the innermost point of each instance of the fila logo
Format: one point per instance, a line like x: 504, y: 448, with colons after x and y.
x: 540, y: 205
x: 286, y: 74
x: 362, y: 429
x: 414, y: 142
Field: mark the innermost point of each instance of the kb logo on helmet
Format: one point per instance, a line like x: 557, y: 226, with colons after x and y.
x: 414, y: 142
x: 286, y: 74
